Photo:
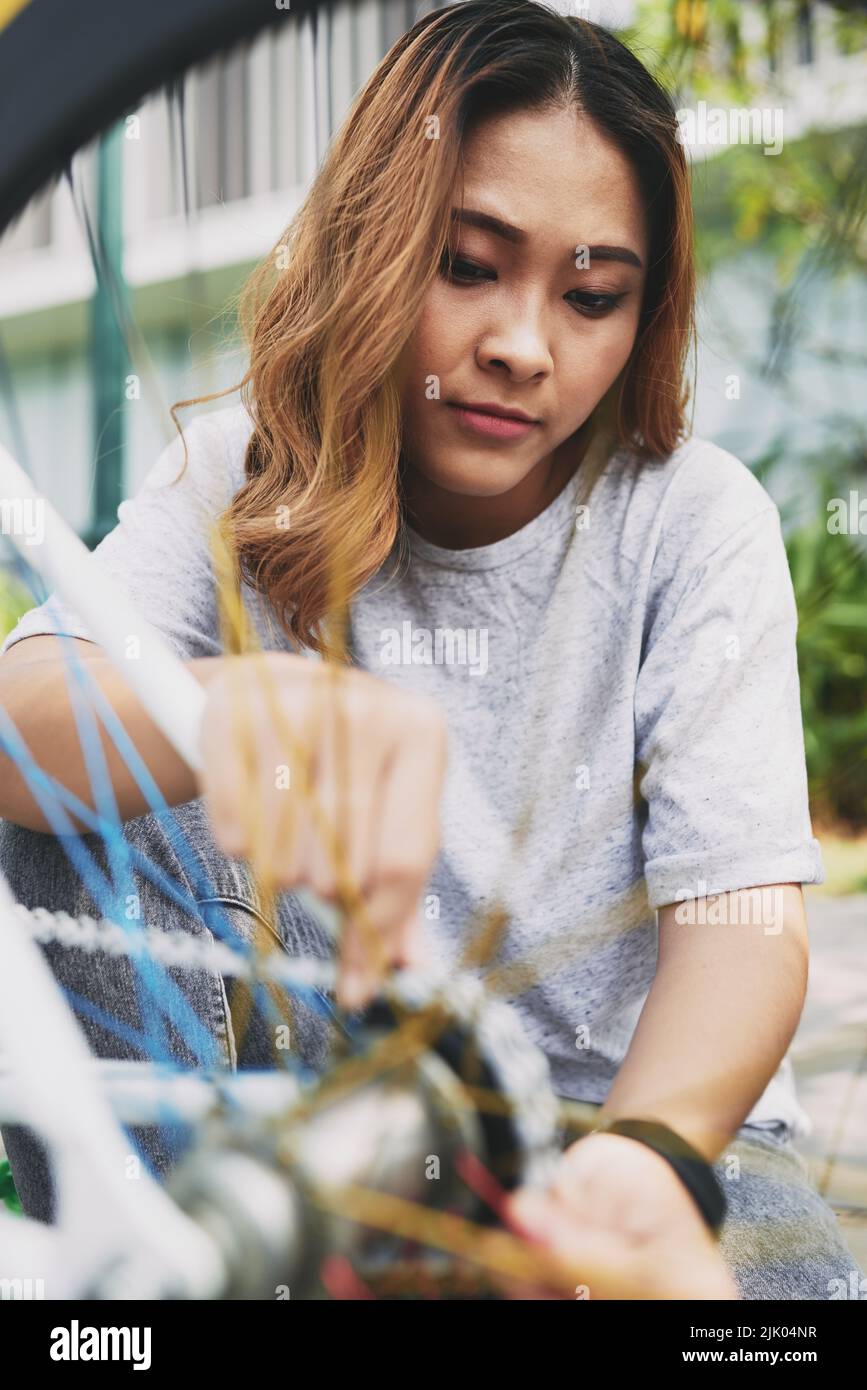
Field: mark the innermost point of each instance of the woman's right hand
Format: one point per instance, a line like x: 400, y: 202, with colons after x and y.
x: 329, y: 778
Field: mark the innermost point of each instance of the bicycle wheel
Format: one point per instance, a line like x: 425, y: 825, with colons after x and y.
x: 146, y: 1016
x: 92, y: 63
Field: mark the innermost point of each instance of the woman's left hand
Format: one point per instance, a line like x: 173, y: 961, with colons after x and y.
x: 617, y: 1211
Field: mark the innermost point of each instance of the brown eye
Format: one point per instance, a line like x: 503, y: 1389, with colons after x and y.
x: 460, y: 268
x: 596, y: 305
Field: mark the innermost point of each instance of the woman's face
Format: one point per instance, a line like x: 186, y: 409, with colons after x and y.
x: 539, y: 319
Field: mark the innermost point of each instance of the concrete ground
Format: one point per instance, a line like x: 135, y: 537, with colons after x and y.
x: 829, y: 1055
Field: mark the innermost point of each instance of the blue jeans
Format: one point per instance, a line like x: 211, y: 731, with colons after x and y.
x: 780, y: 1239
x: 114, y: 1012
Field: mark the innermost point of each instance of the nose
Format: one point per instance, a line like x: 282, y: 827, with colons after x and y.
x: 519, y: 343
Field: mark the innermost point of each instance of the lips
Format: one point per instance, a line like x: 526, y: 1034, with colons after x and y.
x: 495, y: 425
x: 504, y: 412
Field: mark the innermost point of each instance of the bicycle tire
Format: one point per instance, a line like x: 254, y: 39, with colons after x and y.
x: 67, y: 73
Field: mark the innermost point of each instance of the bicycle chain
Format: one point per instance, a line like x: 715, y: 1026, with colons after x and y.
x: 520, y: 1067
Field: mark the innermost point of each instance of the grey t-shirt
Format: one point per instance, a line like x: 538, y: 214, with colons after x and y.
x: 642, y: 640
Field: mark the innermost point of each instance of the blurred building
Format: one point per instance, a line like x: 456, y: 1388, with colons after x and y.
x: 255, y: 126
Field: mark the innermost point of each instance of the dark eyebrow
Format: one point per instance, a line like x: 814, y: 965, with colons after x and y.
x: 488, y: 223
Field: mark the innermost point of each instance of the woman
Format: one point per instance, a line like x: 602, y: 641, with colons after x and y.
x: 462, y: 469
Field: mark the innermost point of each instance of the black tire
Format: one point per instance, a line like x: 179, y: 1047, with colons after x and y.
x: 69, y: 71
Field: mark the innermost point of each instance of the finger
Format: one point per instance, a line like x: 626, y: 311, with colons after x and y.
x: 348, y: 775
x: 289, y: 782
x: 358, y: 973
x: 252, y: 780
x: 601, y: 1264
x: 361, y: 968
x: 408, y: 834
x: 414, y: 954
x: 223, y: 772
x: 387, y: 932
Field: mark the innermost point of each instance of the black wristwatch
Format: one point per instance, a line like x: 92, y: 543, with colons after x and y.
x: 694, y: 1171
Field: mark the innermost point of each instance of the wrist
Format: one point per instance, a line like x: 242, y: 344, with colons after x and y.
x: 693, y: 1169
x: 708, y: 1128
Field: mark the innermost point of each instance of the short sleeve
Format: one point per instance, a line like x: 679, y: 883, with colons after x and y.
x: 160, y: 549
x: 718, y: 726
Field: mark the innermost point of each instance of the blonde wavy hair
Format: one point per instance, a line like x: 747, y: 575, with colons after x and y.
x: 327, y: 313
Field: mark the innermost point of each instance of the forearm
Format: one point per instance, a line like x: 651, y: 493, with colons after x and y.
x: 36, y: 697
x: 721, y: 1012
